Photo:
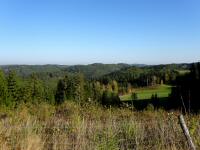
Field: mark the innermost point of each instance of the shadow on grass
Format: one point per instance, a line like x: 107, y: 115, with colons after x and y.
x: 163, y: 103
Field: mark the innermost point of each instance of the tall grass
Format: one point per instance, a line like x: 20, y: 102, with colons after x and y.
x: 91, y: 127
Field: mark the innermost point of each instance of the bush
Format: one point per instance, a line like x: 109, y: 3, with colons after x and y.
x: 110, y: 98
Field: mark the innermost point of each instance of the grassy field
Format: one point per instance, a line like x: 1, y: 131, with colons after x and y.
x: 183, y: 72
x: 162, y: 91
x: 74, y: 127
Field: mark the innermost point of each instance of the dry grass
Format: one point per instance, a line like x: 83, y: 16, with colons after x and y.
x: 92, y: 128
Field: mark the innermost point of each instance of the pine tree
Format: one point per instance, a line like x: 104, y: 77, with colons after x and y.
x: 68, y: 85
x: 115, y: 87
x: 60, y: 92
x: 12, y: 85
x: 37, y: 89
x: 79, y: 88
x: 3, y: 88
x: 110, y: 98
x: 98, y: 91
x: 24, y: 94
x: 49, y: 94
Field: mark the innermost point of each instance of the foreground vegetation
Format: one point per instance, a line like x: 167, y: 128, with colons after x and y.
x: 89, y: 127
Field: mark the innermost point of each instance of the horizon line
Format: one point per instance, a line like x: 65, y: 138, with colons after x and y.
x: 86, y: 64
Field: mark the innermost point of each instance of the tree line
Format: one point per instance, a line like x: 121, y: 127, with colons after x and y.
x: 55, y: 88
x: 135, y: 77
x: 186, y: 94
x: 15, y: 90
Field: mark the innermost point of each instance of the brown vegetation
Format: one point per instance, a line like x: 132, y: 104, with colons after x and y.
x: 90, y: 127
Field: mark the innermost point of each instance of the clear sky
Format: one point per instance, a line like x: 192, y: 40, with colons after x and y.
x: 107, y: 31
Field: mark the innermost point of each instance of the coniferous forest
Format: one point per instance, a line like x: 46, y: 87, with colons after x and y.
x: 97, y: 83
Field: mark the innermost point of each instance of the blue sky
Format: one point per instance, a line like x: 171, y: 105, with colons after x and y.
x: 107, y: 31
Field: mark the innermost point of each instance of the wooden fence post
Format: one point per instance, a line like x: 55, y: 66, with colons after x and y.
x: 186, y: 133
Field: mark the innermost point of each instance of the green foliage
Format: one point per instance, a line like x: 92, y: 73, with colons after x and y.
x: 98, y: 92
x: 144, y: 76
x: 49, y: 94
x: 110, y: 98
x: 146, y: 93
x: 36, y: 88
x: 24, y: 94
x: 60, y: 93
x: 186, y: 94
x: 102, y: 84
x: 72, y: 88
x: 96, y: 70
x: 115, y: 87
x: 42, y: 70
x: 78, y: 88
x: 3, y: 88
x: 51, y: 71
x: 134, y: 96
x: 12, y: 84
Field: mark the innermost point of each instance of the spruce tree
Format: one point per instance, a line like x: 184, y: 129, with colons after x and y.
x: 12, y: 85
x: 115, y: 88
x: 3, y: 88
x: 98, y: 91
x: 60, y: 92
x: 24, y: 94
x: 79, y: 88
x: 68, y: 85
x: 36, y: 88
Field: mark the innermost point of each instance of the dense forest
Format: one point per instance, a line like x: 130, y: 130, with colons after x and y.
x: 96, y: 83
x: 89, y: 71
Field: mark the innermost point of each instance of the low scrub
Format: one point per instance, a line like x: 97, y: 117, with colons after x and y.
x: 89, y: 127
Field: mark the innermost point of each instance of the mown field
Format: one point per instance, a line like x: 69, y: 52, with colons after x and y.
x: 162, y: 91
x: 90, y: 127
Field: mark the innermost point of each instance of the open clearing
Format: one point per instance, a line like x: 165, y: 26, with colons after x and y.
x: 162, y: 91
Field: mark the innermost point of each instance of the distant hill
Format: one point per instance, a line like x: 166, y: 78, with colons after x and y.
x: 97, y: 69
x: 90, y: 71
x: 25, y: 70
x: 161, y: 68
x: 134, y: 74
x: 93, y: 70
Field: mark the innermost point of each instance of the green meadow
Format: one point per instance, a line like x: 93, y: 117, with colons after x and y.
x: 162, y: 91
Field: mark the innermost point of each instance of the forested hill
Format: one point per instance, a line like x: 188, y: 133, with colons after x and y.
x: 147, y: 74
x: 26, y: 70
x: 97, y: 69
x: 94, y: 70
x: 89, y: 71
